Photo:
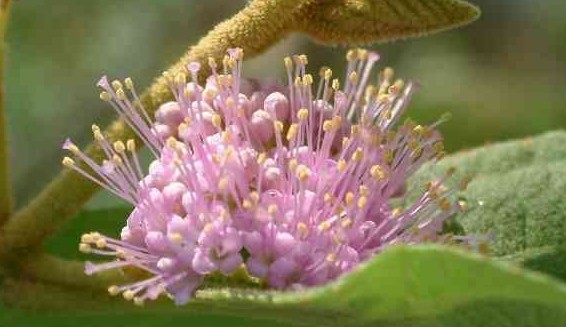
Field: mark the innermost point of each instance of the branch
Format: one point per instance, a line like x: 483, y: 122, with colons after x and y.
x: 5, y: 185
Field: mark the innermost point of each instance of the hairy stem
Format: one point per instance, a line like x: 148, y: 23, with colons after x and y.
x: 254, y: 29
x: 5, y: 185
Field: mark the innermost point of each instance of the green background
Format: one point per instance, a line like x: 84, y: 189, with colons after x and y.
x: 500, y: 78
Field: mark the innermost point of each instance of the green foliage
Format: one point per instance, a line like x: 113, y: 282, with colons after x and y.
x: 517, y: 193
x: 367, y: 21
x: 404, y: 286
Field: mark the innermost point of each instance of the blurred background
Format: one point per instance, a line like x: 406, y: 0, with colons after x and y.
x: 502, y: 77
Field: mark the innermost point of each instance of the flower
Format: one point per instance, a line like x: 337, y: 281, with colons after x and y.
x: 295, y: 183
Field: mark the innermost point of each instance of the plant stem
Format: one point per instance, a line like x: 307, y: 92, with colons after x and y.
x: 5, y: 185
x: 254, y: 29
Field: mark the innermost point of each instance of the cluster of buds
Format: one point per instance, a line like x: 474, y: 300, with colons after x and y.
x: 291, y: 183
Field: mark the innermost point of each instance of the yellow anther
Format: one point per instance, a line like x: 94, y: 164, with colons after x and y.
x: 216, y: 120
x: 351, y: 55
x: 325, y: 225
x: 113, y: 290
x: 98, y: 136
x: 307, y: 80
x: 293, y: 164
x: 95, y: 128
x: 337, y: 121
x: 353, y: 78
x: 298, y: 82
x: 362, y: 202
x: 85, y: 248
x: 331, y: 257
x: 362, y: 54
x: 68, y: 162
x: 397, y: 86
x: 131, y: 145
x: 355, y: 129
x: 120, y: 94
x: 116, y: 84
x: 335, y: 84
x: 345, y: 141
x: 209, y: 94
x: 176, y: 238
x: 342, y: 165
x: 328, y: 197
x: 208, y: 228
x: 303, y: 229
x: 247, y: 204
x: 327, y: 126
x: 227, y: 137
x: 261, y: 158
x: 119, y: 146
x: 101, y: 243
x: 288, y: 62
x: 303, y: 173
x: 121, y: 254
x: 418, y: 130
x: 230, y: 102
x: 182, y: 127
x: 377, y: 172
x: 117, y: 160
x: 388, y: 73
x: 396, y: 212
x: 95, y: 236
x: 87, y: 238
x: 303, y: 114
x: 128, y: 295
x: 349, y: 198
x: 278, y: 126
x: 223, y: 183
x: 129, y: 83
x: 104, y: 96
x: 363, y: 190
x: 346, y: 222
x: 292, y: 132
x: 328, y: 74
x: 358, y: 155
x: 303, y: 59
x: 272, y: 209
x: 73, y: 148
x: 139, y: 301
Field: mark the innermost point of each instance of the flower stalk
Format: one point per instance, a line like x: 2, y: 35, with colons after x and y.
x: 5, y: 187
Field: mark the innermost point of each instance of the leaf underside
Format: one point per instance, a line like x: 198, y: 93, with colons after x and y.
x: 518, y: 194
x: 368, y: 21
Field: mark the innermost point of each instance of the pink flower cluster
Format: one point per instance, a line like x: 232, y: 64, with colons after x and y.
x: 293, y: 184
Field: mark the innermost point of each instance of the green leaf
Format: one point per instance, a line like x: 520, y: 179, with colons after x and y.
x: 404, y: 286
x: 518, y: 192
x: 367, y: 21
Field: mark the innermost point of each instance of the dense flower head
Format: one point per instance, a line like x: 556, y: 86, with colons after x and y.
x: 295, y: 183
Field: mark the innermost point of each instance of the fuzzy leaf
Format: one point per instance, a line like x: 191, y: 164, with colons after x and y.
x: 518, y: 192
x: 404, y: 286
x: 366, y: 21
